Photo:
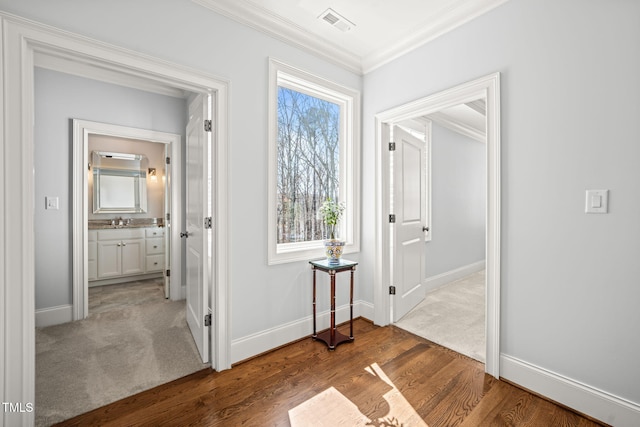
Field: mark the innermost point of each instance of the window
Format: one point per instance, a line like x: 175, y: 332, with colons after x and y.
x: 313, y: 155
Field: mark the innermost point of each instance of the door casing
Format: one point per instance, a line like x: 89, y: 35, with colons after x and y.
x: 485, y: 87
x: 81, y: 130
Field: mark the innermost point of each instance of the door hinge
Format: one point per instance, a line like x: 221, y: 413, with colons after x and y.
x: 392, y: 146
x: 392, y: 218
x: 392, y: 290
x: 208, y: 222
x: 167, y: 160
x: 207, y: 125
x: 207, y: 320
x: 168, y: 273
x: 168, y: 217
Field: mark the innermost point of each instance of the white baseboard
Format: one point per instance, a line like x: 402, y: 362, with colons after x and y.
x: 54, y: 315
x: 435, y: 282
x: 590, y: 401
x: 249, y: 346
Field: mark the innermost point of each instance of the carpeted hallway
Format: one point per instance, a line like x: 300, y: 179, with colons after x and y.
x: 134, y: 339
x: 453, y: 316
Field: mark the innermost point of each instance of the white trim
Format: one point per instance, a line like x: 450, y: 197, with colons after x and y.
x: 282, y: 74
x: 260, y: 342
x: 54, y: 315
x: 21, y: 40
x: 488, y: 87
x: 262, y: 19
x: 435, y: 282
x: 80, y: 69
x: 81, y: 131
x: 265, y: 21
x: 590, y: 401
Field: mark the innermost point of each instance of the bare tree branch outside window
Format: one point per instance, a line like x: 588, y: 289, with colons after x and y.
x: 308, y: 163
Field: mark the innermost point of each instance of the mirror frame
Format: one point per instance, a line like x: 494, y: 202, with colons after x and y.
x: 123, y: 165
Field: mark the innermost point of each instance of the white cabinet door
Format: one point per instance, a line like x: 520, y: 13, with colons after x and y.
x: 133, y: 256
x: 109, y: 259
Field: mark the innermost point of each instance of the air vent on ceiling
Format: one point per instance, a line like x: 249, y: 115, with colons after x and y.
x: 337, y: 20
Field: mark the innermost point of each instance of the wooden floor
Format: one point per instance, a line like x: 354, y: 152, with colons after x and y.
x: 443, y: 387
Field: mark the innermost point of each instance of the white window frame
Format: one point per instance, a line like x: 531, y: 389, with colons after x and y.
x: 284, y: 75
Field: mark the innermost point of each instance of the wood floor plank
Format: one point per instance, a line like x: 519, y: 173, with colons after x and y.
x: 441, y: 387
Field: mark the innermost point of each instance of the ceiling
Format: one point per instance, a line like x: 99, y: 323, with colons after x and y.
x: 468, y: 119
x: 378, y: 30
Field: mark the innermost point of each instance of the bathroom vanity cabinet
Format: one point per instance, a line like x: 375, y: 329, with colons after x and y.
x: 116, y: 254
x: 121, y: 252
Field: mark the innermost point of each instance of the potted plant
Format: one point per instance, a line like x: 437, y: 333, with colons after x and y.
x: 331, y: 212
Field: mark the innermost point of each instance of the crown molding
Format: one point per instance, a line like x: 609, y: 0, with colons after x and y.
x: 265, y: 21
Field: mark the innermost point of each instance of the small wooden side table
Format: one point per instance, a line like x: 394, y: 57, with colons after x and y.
x: 331, y: 336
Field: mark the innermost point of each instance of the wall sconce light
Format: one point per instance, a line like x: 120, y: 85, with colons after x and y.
x: 153, y: 175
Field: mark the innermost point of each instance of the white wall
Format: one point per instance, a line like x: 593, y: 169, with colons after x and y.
x: 569, y: 97
x: 458, y: 202
x: 59, y: 98
x: 262, y: 297
x: 569, y: 122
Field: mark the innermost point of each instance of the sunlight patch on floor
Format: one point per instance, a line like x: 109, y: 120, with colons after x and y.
x: 332, y: 408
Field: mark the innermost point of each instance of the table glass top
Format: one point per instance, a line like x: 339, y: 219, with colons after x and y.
x: 340, y: 265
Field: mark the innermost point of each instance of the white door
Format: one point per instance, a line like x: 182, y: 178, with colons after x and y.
x: 196, y: 236
x: 409, y: 207
x: 168, y: 179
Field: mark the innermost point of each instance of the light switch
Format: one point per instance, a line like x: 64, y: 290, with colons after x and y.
x: 597, y: 201
x: 51, y: 203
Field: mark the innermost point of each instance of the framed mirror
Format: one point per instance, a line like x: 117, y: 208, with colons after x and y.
x: 119, y: 182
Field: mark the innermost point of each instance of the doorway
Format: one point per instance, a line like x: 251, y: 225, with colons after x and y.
x: 109, y: 138
x: 23, y: 40
x: 450, y: 307
x: 483, y: 88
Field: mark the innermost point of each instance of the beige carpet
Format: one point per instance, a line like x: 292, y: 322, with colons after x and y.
x: 133, y: 340
x: 453, y: 316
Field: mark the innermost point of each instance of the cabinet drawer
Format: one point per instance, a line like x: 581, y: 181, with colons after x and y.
x: 155, y: 246
x: 155, y: 263
x: 154, y: 232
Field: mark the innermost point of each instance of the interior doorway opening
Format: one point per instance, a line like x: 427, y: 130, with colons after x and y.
x: 97, y: 251
x: 23, y: 42
x: 387, y: 254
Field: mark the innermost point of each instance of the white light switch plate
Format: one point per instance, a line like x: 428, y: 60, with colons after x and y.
x: 51, y: 203
x: 597, y: 201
